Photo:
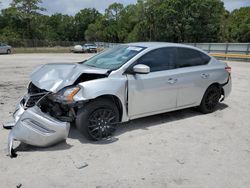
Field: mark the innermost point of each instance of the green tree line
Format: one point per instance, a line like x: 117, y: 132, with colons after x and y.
x: 147, y: 20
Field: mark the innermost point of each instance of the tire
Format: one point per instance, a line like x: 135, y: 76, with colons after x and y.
x: 8, y: 51
x: 210, y: 100
x: 98, y: 119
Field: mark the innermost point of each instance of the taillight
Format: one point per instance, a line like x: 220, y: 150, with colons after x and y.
x: 228, y: 69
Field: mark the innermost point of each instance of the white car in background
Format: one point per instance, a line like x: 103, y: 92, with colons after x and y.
x: 5, y: 49
x: 86, y: 48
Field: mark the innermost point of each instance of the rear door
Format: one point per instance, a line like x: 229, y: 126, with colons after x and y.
x: 193, y: 76
x: 154, y: 92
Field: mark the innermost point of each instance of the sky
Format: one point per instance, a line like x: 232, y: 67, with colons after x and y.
x: 73, y: 6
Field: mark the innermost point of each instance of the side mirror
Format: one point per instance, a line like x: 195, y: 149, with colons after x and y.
x: 141, y: 69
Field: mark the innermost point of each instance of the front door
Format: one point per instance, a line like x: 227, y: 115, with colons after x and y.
x: 156, y: 91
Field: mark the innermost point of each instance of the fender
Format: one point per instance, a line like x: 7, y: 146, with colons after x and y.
x: 116, y: 86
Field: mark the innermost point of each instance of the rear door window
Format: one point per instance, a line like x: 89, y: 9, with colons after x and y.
x: 187, y: 57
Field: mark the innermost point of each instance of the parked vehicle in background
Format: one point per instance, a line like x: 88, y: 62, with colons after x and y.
x: 89, y: 48
x: 5, y: 49
x: 86, y: 48
x: 126, y: 82
x: 77, y: 49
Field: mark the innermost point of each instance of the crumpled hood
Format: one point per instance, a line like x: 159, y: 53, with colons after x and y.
x: 53, y: 77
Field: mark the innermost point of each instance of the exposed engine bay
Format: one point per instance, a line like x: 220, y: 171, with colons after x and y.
x: 45, y: 101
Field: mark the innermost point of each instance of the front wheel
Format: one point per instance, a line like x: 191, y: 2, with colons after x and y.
x: 210, y: 100
x: 8, y: 51
x: 98, y: 119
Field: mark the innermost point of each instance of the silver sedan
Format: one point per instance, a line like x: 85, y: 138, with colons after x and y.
x: 124, y: 83
x: 5, y: 49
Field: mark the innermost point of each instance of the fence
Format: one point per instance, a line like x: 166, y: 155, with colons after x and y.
x: 234, y: 51
x: 228, y: 51
x: 225, y: 48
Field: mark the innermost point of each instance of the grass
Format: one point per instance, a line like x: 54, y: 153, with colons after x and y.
x: 42, y: 50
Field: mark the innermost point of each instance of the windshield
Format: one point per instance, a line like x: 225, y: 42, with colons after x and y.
x: 114, y: 58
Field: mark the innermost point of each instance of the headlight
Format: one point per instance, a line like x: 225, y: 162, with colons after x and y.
x: 66, y: 94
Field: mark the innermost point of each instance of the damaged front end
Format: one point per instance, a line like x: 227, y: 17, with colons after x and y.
x: 42, y: 118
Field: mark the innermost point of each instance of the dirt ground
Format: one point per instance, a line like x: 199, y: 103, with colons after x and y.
x: 179, y: 149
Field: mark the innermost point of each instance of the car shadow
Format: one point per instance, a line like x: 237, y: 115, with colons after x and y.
x: 142, y: 123
x: 56, y: 147
x: 75, y: 134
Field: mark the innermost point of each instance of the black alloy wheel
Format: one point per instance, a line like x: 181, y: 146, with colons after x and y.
x: 98, y: 119
x: 210, y: 99
x: 102, y: 123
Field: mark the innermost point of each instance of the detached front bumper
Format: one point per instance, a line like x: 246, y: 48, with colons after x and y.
x: 36, y: 128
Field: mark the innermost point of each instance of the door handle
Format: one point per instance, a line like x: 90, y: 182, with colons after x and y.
x: 172, y: 80
x: 205, y: 75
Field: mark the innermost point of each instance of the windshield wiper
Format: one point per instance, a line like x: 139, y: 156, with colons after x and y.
x: 82, y: 62
x: 92, y: 66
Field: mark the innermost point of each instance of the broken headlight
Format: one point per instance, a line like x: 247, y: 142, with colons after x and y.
x: 65, y: 95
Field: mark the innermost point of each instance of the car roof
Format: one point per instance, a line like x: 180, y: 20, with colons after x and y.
x: 163, y: 44
x: 156, y: 44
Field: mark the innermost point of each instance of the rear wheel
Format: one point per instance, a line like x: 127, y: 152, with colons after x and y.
x: 98, y: 119
x: 210, y: 99
x: 8, y: 51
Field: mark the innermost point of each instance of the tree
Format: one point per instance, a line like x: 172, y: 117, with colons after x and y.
x: 95, y: 32
x: 113, y: 12
x: 28, y: 11
x: 181, y: 20
x: 112, y: 19
x: 83, y: 19
x: 27, y: 6
x: 110, y: 24
x: 10, y: 25
x: 147, y: 20
x: 128, y: 21
x: 62, y: 27
x: 239, y: 25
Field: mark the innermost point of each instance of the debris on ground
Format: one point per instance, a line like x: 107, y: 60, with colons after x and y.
x: 180, y: 161
x: 78, y: 163
x: 81, y: 165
